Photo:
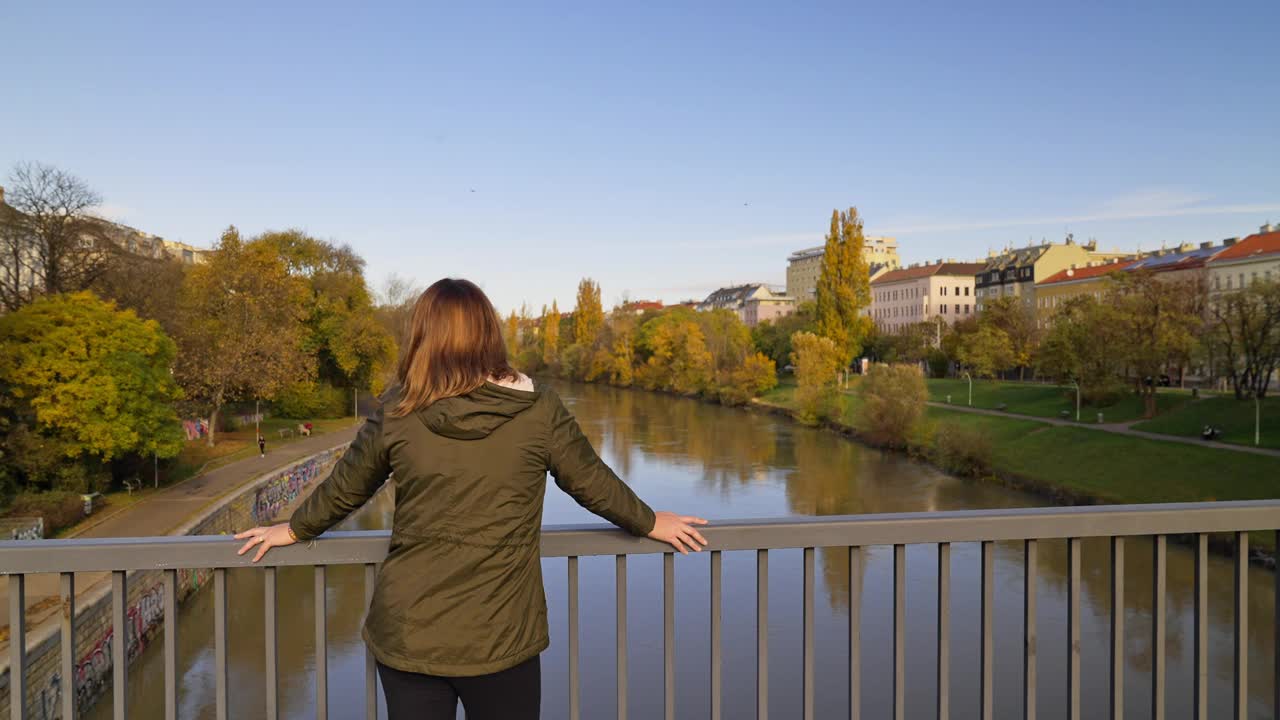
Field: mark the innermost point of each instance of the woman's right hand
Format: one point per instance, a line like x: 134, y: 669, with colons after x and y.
x: 678, y: 531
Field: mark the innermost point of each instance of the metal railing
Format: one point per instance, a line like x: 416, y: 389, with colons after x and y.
x: 1197, y: 520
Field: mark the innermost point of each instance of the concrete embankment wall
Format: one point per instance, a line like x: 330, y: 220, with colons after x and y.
x: 258, y: 502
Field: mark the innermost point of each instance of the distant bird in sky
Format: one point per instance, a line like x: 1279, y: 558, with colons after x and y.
x: 745, y: 204
x: 473, y: 189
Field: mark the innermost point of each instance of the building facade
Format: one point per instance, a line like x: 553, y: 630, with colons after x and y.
x: 1254, y: 259
x: 752, y: 303
x: 1015, y: 272
x: 942, y: 291
x: 805, y: 266
x: 1073, y: 282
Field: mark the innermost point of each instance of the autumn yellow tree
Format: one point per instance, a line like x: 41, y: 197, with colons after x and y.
x: 588, y: 316
x: 242, y: 329
x: 844, y: 286
x: 551, y: 335
x: 817, y: 361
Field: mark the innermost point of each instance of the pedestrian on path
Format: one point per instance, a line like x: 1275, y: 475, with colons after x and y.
x: 458, y: 610
x: 262, y: 445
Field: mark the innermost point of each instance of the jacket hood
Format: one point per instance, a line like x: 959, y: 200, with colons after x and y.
x: 478, y: 413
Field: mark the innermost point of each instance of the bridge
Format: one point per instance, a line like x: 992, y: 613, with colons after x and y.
x: 1193, y: 523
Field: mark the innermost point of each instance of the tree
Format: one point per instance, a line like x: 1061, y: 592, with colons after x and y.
x: 891, y: 404
x: 1081, y: 346
x: 395, y: 304
x: 242, y: 332
x: 773, y: 337
x: 844, y: 286
x: 551, y: 335
x: 351, y: 348
x: 50, y: 242
x: 1155, y: 328
x: 588, y: 316
x: 756, y: 374
x: 817, y: 361
x: 1245, y: 330
x: 987, y: 351
x: 1018, y: 322
x: 148, y: 286
x: 85, y: 384
x: 511, y: 333
x: 675, y: 355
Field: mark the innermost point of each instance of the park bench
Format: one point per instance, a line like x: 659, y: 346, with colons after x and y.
x: 1065, y: 414
x: 285, y: 432
x: 1002, y: 407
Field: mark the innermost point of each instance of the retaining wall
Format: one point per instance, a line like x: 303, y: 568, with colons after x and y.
x: 259, y: 502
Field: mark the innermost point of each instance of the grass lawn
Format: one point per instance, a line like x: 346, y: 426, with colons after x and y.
x: 1047, y: 400
x: 1235, y: 417
x: 784, y: 393
x: 1120, y: 469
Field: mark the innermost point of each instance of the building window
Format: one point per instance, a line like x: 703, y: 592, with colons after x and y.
x: 944, y: 309
x: 966, y: 308
x: 1241, y: 281
x: 1228, y: 282
x: 966, y: 292
x: 957, y: 308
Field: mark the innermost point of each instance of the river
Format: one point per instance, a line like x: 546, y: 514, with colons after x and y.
x: 725, y: 464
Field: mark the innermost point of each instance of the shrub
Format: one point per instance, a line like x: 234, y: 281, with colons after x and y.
x: 938, y: 363
x: 817, y: 360
x: 756, y: 375
x: 308, y: 400
x: 59, y: 509
x: 891, y: 404
x: 962, y: 449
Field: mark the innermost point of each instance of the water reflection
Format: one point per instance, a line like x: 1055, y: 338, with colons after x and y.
x: 726, y: 463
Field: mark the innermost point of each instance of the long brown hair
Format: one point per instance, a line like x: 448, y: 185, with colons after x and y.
x: 455, y: 344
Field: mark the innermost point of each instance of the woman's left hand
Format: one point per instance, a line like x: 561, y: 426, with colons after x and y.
x: 265, y: 538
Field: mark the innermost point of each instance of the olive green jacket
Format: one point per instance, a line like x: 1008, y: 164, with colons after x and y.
x: 460, y: 592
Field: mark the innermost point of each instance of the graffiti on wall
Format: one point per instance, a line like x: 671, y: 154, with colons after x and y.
x: 284, y: 488
x: 22, y: 528
x: 93, y: 670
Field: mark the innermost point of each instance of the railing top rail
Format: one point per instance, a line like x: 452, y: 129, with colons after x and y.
x: 341, y: 548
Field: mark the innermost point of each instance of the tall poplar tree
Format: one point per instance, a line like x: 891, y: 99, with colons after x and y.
x: 551, y: 334
x: 844, y: 286
x: 589, y: 315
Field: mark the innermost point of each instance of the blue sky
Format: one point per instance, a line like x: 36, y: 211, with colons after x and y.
x: 662, y: 149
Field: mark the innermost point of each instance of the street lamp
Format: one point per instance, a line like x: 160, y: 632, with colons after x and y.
x: 1076, y: 385
x: 970, y: 378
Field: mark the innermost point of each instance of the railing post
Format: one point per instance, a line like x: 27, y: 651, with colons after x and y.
x: 170, y: 645
x: 855, y: 633
x: 944, y: 631
x: 68, y: 583
x: 1240, y: 694
x: 572, y: 571
x: 716, y: 689
x: 1158, y: 554
x: 620, y: 621
x: 899, y: 632
x: 1117, y: 627
x: 1029, y: 641
x: 119, y: 645
x: 1073, y: 628
x: 370, y: 664
x: 322, y: 641
x: 17, y: 647
x: 762, y: 634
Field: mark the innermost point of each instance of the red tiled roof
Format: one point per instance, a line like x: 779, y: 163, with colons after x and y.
x: 915, y: 273
x: 1256, y: 244
x: 1085, y: 273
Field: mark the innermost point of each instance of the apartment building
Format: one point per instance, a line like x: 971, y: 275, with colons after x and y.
x: 1015, y: 272
x: 805, y: 266
x: 938, y: 291
x: 753, y: 303
x: 1238, y: 264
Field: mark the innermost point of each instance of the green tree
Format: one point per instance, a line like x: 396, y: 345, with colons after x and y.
x: 1080, y: 346
x: 1016, y: 319
x: 351, y: 348
x: 891, y: 404
x: 588, y: 316
x: 987, y: 351
x: 773, y: 337
x: 1245, y: 333
x: 844, y: 286
x: 242, y: 332
x: 1156, y: 328
x: 817, y: 361
x: 84, y: 384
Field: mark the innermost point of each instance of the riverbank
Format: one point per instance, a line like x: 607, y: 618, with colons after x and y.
x: 1084, y: 466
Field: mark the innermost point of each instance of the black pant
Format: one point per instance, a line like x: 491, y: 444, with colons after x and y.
x: 511, y: 694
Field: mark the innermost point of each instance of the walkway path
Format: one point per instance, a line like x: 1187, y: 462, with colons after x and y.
x: 159, y: 514
x: 1117, y: 428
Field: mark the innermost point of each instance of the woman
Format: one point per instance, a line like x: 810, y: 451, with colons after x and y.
x: 458, y: 611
